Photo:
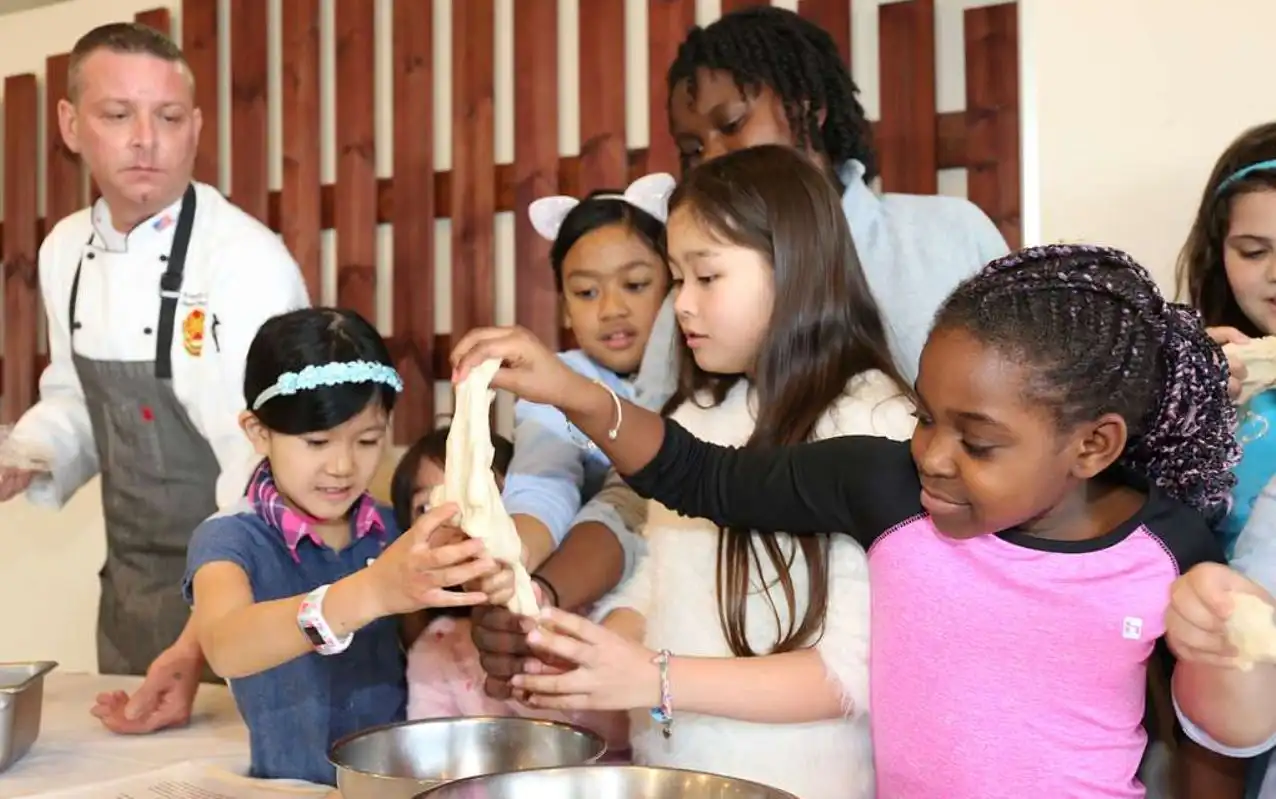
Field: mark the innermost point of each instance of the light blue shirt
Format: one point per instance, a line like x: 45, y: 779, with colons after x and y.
x: 914, y: 250
x: 551, y: 474
x: 1258, y: 464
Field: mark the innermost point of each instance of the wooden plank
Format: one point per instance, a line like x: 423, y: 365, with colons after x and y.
x: 950, y: 127
x: 906, y: 135
x: 992, y: 103
x: 473, y: 167
x: 356, y: 196
x: 833, y: 16
x: 735, y: 5
x: 602, y: 95
x: 21, y: 280
x: 249, y: 167
x: 413, y: 222
x: 299, y: 204
x: 199, y: 44
x: 535, y: 162
x: 157, y: 18
x: 667, y: 25
x: 64, y: 174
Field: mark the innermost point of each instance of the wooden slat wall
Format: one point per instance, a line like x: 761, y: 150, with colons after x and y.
x: 992, y: 112
x: 833, y: 16
x: 199, y: 44
x: 535, y: 161
x: 63, y: 173
x: 906, y: 135
x: 248, y: 161
x: 157, y: 18
x: 473, y: 164
x: 356, y: 200
x: 21, y: 290
x: 914, y: 141
x: 667, y: 24
x: 414, y: 221
x: 298, y: 201
x: 603, y: 156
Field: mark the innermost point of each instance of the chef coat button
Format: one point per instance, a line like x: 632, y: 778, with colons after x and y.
x: 164, y: 259
x: 146, y: 330
x: 90, y: 256
x: 76, y: 326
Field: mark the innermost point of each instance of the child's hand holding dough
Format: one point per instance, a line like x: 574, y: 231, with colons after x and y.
x: 1219, y: 617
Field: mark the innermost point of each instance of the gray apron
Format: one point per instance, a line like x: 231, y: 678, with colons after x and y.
x: 158, y: 481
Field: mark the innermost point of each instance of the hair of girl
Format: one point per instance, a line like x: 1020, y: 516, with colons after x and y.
x: 314, y: 337
x: 800, y: 62
x: 600, y: 209
x: 825, y: 329
x: 1096, y: 336
x: 433, y: 447
x: 1200, y: 264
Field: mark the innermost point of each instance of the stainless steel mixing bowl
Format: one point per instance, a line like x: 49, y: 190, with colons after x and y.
x: 604, y: 782
x: 399, y: 761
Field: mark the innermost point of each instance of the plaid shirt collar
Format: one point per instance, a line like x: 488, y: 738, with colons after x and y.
x: 295, y: 526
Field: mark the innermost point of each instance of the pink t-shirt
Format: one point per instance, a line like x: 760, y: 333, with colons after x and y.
x: 1001, y: 667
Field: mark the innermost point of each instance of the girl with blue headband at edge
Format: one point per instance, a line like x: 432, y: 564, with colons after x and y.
x: 296, y: 591
x: 1228, y: 267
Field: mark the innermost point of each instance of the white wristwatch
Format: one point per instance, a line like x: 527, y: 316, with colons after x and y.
x: 311, y: 621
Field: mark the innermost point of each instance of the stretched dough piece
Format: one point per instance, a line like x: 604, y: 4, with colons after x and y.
x: 1252, y: 631
x: 469, y: 482
x: 1259, y: 357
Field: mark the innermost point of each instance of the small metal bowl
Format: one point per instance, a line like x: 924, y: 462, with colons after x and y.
x: 399, y: 761
x: 605, y: 782
x: 21, y: 705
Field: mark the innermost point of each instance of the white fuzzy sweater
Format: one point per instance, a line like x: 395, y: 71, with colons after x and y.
x: 673, y: 587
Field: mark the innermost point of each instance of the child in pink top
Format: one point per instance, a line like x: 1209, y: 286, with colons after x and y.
x: 1074, y: 434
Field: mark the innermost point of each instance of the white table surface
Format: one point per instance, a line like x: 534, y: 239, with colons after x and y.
x: 74, y: 748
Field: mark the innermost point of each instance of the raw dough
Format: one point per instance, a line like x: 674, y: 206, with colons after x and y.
x: 469, y: 482
x: 1252, y: 631
x: 1259, y: 357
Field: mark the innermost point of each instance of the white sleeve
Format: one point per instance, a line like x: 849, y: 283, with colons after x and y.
x: 59, y: 422
x: 257, y: 281
x: 1203, y: 738
x: 635, y: 592
x: 844, y: 645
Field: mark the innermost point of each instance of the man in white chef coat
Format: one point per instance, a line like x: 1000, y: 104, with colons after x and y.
x: 152, y: 297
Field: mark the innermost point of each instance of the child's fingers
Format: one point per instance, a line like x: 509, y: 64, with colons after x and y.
x: 427, y: 558
x: 455, y: 599
x: 460, y: 574
x: 1227, y: 335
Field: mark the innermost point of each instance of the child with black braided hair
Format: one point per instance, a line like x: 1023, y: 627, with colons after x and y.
x: 1074, y: 432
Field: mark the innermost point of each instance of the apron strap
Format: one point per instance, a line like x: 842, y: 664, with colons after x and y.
x: 171, y: 285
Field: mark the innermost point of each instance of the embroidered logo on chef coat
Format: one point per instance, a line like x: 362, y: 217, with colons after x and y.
x: 193, y: 332
x: 163, y: 222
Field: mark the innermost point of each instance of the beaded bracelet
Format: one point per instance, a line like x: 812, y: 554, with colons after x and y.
x: 663, y: 715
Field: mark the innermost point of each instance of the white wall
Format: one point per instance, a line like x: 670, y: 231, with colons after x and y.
x: 1125, y: 105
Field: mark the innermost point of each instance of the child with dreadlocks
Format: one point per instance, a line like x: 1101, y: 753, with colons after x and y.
x: 1073, y: 430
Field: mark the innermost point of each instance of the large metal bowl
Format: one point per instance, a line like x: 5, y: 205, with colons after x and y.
x: 399, y: 761
x: 605, y: 782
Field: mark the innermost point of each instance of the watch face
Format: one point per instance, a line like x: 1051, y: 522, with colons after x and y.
x: 312, y: 633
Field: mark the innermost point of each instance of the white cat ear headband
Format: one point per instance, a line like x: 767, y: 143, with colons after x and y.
x: 649, y: 193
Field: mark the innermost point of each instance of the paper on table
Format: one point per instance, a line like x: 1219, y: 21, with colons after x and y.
x: 18, y: 454
x: 191, y: 780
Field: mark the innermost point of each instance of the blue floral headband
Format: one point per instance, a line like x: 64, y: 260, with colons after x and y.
x: 330, y: 374
x: 1244, y: 172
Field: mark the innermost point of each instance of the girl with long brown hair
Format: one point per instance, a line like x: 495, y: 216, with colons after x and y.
x: 782, y: 343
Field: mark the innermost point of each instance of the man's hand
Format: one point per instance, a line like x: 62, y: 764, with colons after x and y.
x: 13, y: 482
x: 164, y: 699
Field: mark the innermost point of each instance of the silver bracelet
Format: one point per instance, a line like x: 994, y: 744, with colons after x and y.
x: 620, y: 410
